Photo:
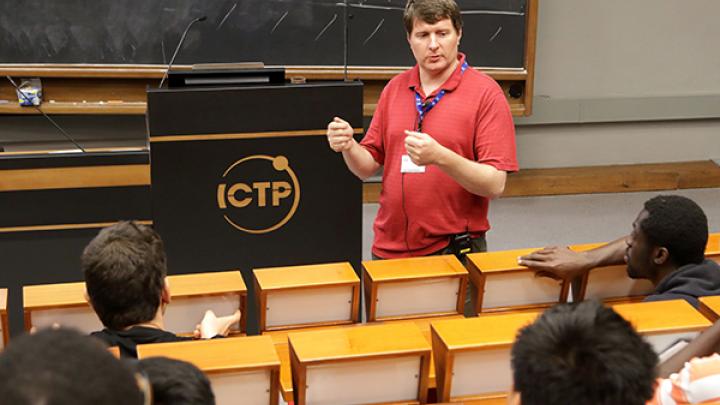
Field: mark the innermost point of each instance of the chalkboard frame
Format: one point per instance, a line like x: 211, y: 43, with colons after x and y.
x: 75, y: 87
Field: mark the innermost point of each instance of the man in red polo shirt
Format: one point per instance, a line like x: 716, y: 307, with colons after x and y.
x: 445, y: 136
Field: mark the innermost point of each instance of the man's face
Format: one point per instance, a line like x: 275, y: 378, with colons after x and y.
x: 639, y: 252
x: 435, y: 46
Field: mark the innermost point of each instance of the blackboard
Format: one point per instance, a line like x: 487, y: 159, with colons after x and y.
x: 276, y: 32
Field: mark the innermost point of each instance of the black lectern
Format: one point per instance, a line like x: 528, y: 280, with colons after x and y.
x: 243, y: 178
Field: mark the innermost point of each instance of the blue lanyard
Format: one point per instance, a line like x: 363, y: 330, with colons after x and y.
x: 424, y: 108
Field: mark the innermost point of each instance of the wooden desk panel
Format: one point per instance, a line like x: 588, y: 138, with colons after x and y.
x: 394, y: 355
x: 472, y: 356
x: 664, y: 322
x: 436, y: 283
x: 502, y: 284
x: 232, y: 365
x: 304, y: 296
x: 192, y: 294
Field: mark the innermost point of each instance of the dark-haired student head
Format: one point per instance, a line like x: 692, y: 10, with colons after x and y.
x: 667, y: 246
x: 670, y: 232
x: 582, y: 353
x: 57, y: 367
x: 125, y: 268
x: 176, y: 382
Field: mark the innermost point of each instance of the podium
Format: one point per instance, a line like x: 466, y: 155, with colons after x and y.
x: 243, y: 177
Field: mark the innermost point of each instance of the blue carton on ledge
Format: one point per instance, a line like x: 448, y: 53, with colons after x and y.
x: 32, y: 91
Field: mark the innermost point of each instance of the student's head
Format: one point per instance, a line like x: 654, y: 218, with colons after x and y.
x: 434, y: 29
x: 56, y: 367
x: 671, y: 230
x: 582, y: 353
x: 176, y: 382
x: 125, y: 268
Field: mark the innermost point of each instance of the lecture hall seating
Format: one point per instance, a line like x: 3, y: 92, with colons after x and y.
x: 192, y: 294
x: 303, y: 296
x: 385, y: 363
x: 472, y: 355
x: 414, y: 287
x: 664, y: 322
x: 241, y: 370
x: 503, y: 285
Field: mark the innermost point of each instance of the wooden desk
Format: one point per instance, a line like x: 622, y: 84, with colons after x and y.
x: 363, y: 364
x: 502, y: 284
x: 664, y: 322
x: 244, y: 369
x: 281, y: 345
x: 302, y: 296
x: 710, y: 307
x: 192, y: 294
x: 280, y: 339
x: 4, y: 318
x: 611, y: 283
x: 414, y: 287
x: 472, y: 356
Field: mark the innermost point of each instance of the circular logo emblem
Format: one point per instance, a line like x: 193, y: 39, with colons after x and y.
x: 258, y: 194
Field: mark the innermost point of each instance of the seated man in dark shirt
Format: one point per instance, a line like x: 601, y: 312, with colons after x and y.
x: 125, y: 268
x: 666, y: 246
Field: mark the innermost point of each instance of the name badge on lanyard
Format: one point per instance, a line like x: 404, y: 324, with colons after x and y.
x: 407, y: 165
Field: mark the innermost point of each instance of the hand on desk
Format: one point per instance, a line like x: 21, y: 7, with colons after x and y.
x: 557, y: 262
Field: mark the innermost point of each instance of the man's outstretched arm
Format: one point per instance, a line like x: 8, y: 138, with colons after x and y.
x: 566, y: 264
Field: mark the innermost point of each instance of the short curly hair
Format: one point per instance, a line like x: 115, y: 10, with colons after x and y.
x: 678, y: 224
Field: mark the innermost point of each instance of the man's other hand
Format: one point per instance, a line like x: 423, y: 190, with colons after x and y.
x: 557, y: 262
x: 340, y: 135
x: 422, y: 148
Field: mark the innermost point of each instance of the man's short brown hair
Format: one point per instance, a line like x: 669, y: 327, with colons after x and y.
x: 431, y: 11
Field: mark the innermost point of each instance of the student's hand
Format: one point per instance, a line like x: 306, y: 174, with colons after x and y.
x: 212, y: 326
x: 340, y: 135
x: 422, y: 148
x: 557, y: 262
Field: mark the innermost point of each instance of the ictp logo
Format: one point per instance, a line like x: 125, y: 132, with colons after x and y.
x: 259, y: 193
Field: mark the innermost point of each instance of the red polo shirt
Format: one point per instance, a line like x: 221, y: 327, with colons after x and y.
x: 419, y: 211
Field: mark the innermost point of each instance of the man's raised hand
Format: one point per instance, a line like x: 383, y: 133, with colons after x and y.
x: 340, y: 135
